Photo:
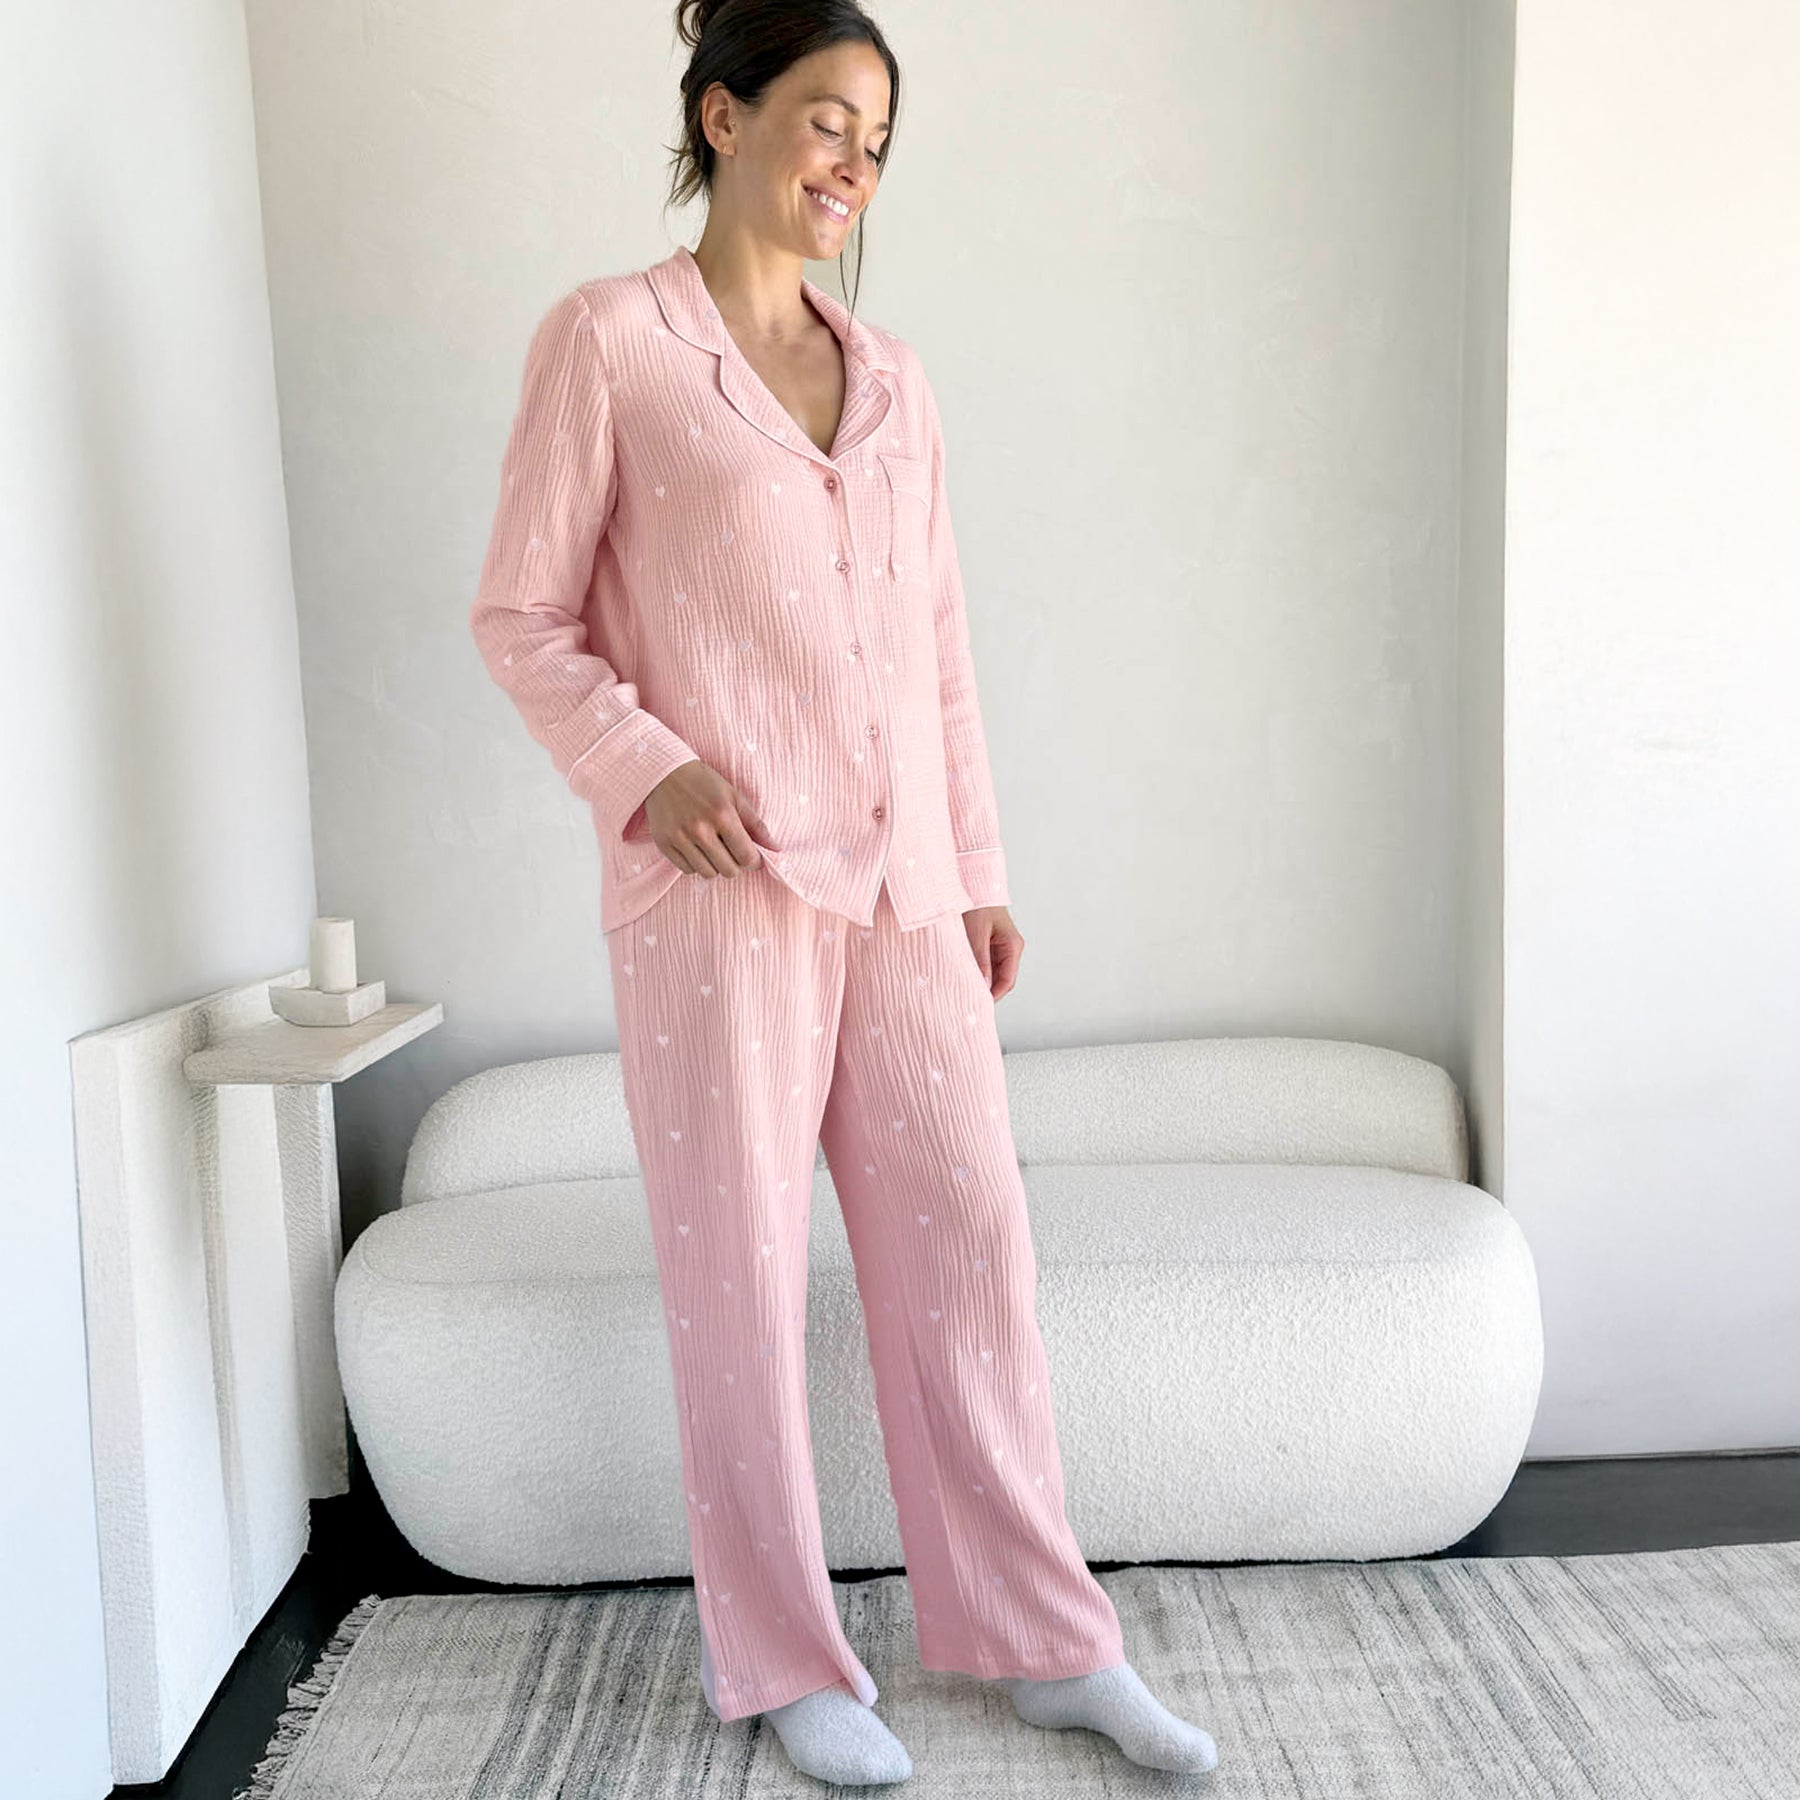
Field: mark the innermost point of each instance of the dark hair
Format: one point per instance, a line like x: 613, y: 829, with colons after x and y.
x: 746, y: 44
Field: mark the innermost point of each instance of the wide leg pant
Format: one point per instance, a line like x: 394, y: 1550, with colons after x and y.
x: 754, y: 1027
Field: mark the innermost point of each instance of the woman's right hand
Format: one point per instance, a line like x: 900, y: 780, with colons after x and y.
x: 703, y: 824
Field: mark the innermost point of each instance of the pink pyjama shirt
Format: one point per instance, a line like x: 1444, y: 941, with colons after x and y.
x: 676, y: 570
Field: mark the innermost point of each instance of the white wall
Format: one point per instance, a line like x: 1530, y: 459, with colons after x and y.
x: 1652, y: 757
x: 155, y: 783
x: 1188, y: 284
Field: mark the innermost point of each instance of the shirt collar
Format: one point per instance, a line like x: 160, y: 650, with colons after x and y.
x: 687, y: 305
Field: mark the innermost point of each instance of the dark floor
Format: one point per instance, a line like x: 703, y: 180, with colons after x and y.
x: 1573, y: 1507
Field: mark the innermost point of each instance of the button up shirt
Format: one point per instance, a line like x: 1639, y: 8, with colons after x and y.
x: 676, y: 570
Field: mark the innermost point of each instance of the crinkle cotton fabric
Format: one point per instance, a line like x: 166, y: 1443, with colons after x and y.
x: 752, y: 1029
x: 677, y: 570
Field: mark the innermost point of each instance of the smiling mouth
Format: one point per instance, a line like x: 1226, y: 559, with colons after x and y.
x: 830, y: 205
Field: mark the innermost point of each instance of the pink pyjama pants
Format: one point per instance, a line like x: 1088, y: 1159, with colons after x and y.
x: 752, y: 1028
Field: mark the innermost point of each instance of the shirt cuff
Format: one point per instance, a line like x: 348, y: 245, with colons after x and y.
x: 983, y: 876
x: 616, y: 775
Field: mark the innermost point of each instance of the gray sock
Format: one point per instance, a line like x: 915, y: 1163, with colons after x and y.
x: 1115, y: 1702
x: 831, y: 1734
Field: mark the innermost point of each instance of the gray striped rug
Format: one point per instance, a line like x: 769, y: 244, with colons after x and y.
x: 1629, y: 1677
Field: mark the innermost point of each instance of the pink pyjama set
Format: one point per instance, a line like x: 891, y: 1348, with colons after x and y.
x: 754, y: 1027
x: 677, y: 571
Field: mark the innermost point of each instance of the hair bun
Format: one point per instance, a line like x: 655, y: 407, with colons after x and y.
x: 692, y: 18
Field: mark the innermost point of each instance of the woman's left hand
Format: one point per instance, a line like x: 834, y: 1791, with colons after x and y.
x: 998, y: 945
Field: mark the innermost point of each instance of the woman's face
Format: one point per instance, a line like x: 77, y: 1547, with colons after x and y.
x: 817, y: 138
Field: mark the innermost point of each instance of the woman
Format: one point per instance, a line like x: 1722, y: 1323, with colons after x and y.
x: 723, y: 591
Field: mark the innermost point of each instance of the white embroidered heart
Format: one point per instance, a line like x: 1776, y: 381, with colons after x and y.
x: 968, y: 1018
x: 756, y: 943
x: 683, y: 1229
x: 761, y: 1544
x: 937, y: 1074
x: 961, y: 1172
x: 706, y: 988
x: 774, y: 487
x: 721, y: 1184
x: 1032, y: 1389
x: 868, y: 1168
x: 783, y: 1183
x: 1039, y: 1482
x: 817, y: 1029
x: 706, y: 1506
x: 728, y: 1287
x: 628, y: 969
x: 936, y: 1313
x: 920, y: 981
x: 981, y: 1262
x: 724, y: 1596
x: 756, y: 1043
x: 933, y: 1493
x: 924, y: 1218
x: 659, y: 492
x: 650, y: 937
x: 662, y: 1037
x: 999, y: 1580
x: 899, y: 1124
x: 685, y: 1323
x: 976, y: 1485
x: 766, y: 1350
x: 740, y: 1462
x: 876, y: 1030
x: 768, y: 1249
x: 676, y: 1135
x: 987, y: 1356
x: 730, y: 1381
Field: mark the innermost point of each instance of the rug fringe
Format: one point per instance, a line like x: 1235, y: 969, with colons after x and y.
x: 304, y: 1698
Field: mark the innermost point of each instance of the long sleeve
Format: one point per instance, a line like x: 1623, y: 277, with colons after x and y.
x: 556, y: 498
x: 974, y: 813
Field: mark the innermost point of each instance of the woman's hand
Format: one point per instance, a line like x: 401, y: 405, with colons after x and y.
x: 998, y: 945
x: 703, y: 824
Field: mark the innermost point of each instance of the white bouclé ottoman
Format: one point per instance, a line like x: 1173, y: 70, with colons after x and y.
x: 1280, y: 1323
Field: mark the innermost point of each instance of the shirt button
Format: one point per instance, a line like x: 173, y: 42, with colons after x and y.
x: 856, y: 649
x: 873, y: 730
x: 842, y: 565
x: 830, y: 484
x: 876, y: 812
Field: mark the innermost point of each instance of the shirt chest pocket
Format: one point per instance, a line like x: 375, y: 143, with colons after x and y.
x: 909, y: 515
